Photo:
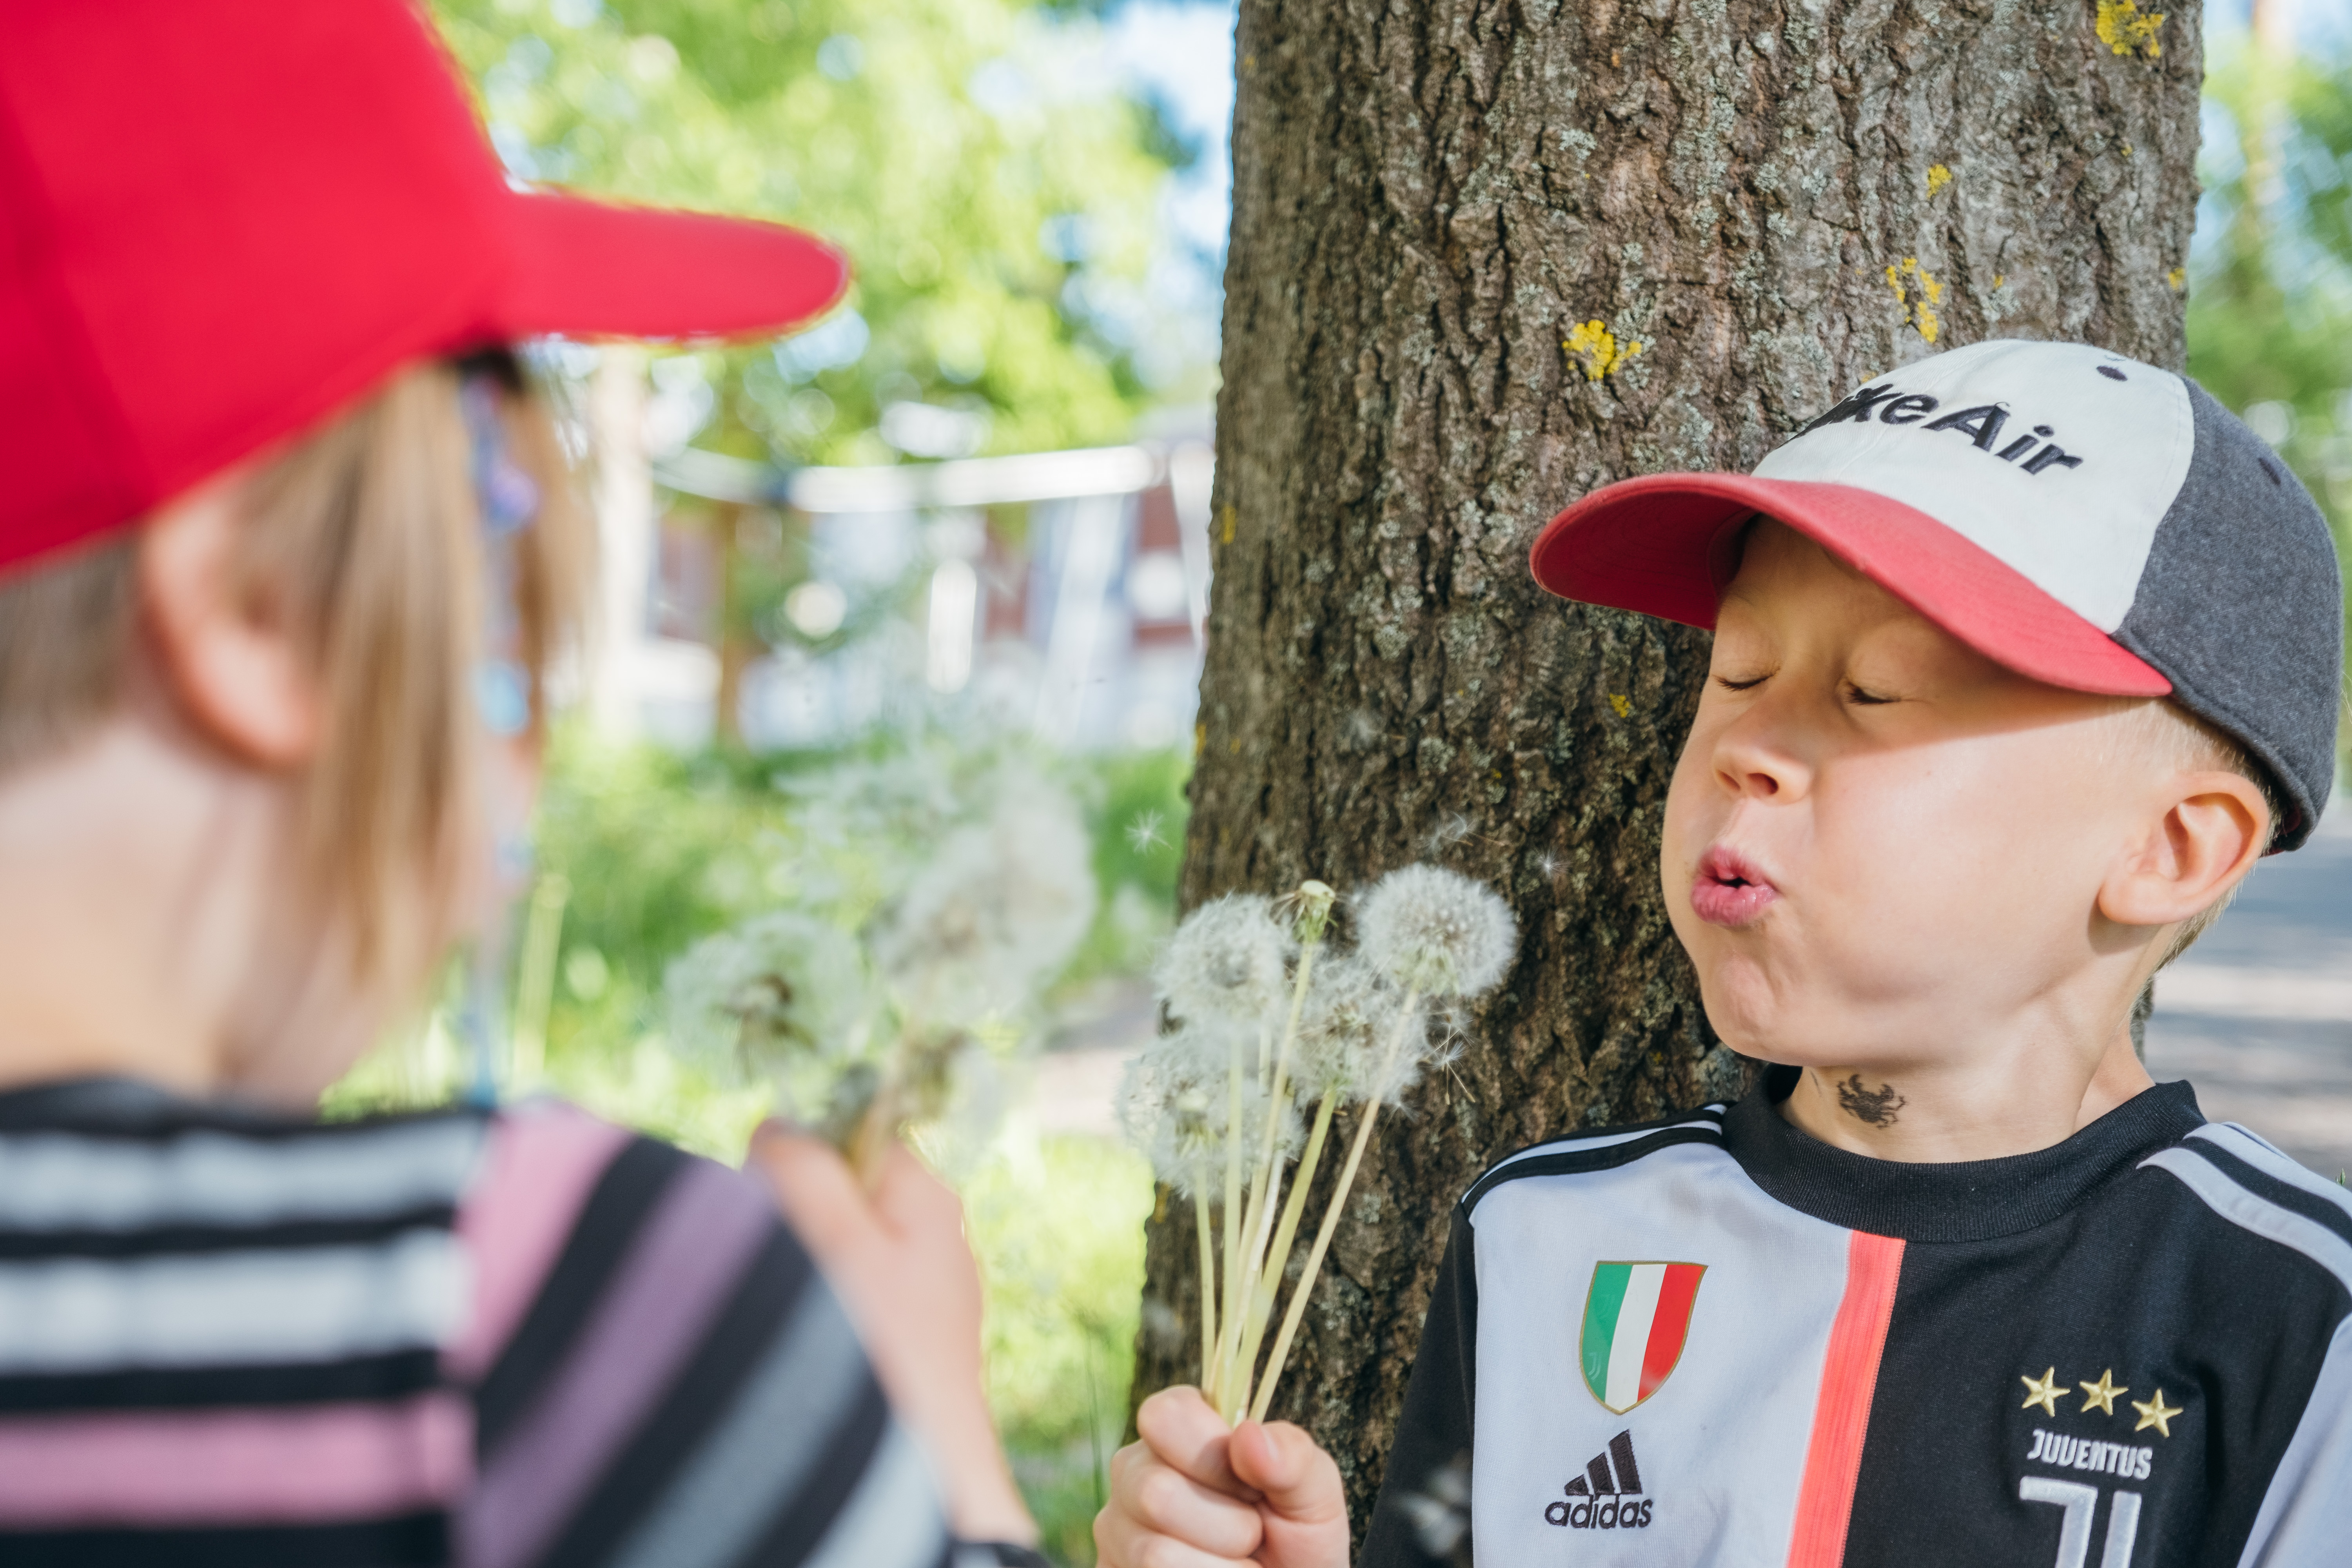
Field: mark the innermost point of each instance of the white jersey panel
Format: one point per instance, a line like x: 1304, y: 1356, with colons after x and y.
x: 2303, y: 1520
x: 1721, y: 1443
x: 2078, y: 525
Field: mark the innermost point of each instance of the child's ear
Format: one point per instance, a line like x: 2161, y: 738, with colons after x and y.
x: 2209, y: 833
x: 224, y: 649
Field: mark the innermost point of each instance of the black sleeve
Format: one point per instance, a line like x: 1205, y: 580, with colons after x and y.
x: 1423, y: 1512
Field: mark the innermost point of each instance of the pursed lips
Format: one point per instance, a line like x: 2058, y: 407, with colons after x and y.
x: 1730, y: 889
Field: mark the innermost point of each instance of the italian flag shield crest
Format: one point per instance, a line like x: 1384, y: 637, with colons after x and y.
x: 1637, y: 1316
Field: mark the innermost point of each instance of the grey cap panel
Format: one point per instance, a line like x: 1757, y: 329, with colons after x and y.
x: 2241, y: 605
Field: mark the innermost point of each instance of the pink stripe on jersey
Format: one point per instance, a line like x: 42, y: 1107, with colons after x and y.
x: 543, y: 1161
x: 1841, y: 1414
x: 235, y: 1467
x: 680, y: 1272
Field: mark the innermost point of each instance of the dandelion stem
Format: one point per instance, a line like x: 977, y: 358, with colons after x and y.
x: 1406, y: 1017
x: 1270, y: 1280
x: 875, y: 1130
x: 1232, y: 1213
x: 1208, y: 1280
x: 1267, y: 1188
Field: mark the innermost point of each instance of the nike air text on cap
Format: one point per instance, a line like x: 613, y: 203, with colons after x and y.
x: 221, y: 220
x: 2082, y: 518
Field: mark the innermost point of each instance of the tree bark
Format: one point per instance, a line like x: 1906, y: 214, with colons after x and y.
x: 1774, y: 202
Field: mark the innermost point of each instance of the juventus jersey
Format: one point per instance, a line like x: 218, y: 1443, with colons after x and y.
x: 1716, y: 1341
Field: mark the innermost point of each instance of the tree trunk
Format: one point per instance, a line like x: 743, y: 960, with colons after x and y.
x: 1454, y: 221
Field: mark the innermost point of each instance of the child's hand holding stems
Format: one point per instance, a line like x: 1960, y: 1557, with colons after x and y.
x: 1193, y: 1493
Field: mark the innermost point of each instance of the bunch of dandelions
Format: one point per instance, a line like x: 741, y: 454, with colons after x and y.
x: 892, y: 995
x: 1297, y: 1030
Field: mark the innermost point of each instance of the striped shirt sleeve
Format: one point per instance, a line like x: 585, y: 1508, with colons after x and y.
x: 665, y: 1381
x: 229, y: 1337
x: 220, y: 1333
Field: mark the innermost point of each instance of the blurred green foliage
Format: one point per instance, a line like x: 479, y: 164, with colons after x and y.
x: 992, y: 203
x: 661, y: 849
x: 2270, y: 275
x: 1058, y: 1225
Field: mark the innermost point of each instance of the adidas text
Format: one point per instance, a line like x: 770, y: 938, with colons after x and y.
x: 1609, y: 1513
x: 1607, y: 1496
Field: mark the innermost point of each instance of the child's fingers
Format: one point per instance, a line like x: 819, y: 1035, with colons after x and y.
x: 1159, y: 1518
x: 1304, y: 1505
x: 1282, y: 1465
x: 1191, y: 1437
x: 1121, y: 1542
x: 816, y: 1188
x: 910, y: 1200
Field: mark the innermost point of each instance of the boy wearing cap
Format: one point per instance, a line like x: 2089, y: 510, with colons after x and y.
x: 2023, y: 655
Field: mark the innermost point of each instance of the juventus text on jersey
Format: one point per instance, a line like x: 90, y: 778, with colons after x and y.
x: 1717, y: 1341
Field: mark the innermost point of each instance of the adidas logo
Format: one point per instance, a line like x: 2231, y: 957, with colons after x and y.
x: 1608, y: 1495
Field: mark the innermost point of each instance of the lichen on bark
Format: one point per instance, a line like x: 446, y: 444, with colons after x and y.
x: 1430, y: 202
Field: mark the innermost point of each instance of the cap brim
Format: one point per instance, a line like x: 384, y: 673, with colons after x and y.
x: 1662, y: 545
x: 596, y: 270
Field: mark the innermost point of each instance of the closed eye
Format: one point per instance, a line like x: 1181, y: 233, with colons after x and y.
x: 1728, y: 684
x: 1861, y: 697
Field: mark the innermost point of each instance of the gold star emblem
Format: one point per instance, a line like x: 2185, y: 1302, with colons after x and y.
x: 2155, y: 1413
x: 2102, y: 1394
x: 2044, y: 1391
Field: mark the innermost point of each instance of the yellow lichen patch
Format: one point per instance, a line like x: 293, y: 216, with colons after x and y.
x: 2126, y: 31
x: 1596, y: 350
x: 1621, y: 704
x: 1919, y: 310
x: 1998, y: 278
x: 2127, y: 149
x: 1938, y: 176
x: 2177, y: 277
x: 1228, y: 521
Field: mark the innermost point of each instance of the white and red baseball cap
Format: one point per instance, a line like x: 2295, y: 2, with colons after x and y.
x: 2081, y: 518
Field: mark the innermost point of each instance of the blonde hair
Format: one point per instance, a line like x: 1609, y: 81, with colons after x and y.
x: 364, y: 540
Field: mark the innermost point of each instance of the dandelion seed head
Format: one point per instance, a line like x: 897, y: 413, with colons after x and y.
x: 1174, y: 1106
x: 1436, y: 932
x: 1396, y: 1064
x: 998, y: 910
x: 781, y: 990
x: 1143, y: 832
x: 1228, y: 960
x: 1344, y: 1024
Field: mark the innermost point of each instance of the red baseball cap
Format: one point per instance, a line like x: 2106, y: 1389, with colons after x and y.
x: 2084, y: 519
x: 221, y: 220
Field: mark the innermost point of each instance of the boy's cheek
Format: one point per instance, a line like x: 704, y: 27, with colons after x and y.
x: 1695, y: 813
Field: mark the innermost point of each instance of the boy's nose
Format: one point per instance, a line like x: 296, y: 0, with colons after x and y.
x: 1749, y: 763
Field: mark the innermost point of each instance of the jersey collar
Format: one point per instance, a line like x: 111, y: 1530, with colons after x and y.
x: 1973, y: 1200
